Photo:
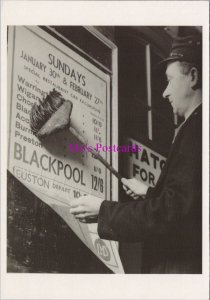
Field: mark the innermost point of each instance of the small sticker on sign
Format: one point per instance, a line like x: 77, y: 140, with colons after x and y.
x: 102, y: 249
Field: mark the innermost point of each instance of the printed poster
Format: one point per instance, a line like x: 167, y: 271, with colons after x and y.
x: 56, y: 169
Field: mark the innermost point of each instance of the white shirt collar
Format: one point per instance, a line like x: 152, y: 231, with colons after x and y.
x: 191, y: 111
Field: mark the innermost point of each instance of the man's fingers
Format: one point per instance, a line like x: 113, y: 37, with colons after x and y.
x: 88, y: 219
x: 74, y: 203
x: 124, y: 180
x: 80, y: 212
x: 83, y: 220
x: 129, y: 185
x: 130, y: 193
x: 79, y: 201
x: 81, y: 215
x: 77, y: 210
x: 125, y: 183
x: 125, y: 187
x: 134, y: 196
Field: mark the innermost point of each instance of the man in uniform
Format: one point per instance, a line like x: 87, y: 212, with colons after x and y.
x: 168, y: 217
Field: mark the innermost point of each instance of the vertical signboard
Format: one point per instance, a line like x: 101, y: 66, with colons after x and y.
x: 58, y: 169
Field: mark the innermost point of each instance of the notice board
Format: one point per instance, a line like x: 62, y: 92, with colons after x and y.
x: 37, y: 64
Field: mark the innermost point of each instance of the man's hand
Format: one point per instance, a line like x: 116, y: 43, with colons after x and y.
x: 134, y: 187
x: 85, y: 207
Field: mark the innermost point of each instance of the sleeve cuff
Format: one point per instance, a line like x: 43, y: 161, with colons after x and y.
x: 105, y: 230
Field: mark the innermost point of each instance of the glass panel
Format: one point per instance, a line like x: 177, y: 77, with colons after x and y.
x: 83, y: 39
x: 132, y: 87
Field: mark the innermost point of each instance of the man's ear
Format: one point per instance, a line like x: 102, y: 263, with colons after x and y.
x: 194, y: 77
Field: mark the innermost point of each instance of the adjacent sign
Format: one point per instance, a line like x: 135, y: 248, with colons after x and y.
x: 146, y: 165
x: 38, y: 63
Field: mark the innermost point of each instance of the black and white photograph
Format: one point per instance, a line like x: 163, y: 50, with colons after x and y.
x: 105, y: 159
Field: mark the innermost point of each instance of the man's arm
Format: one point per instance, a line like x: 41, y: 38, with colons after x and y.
x: 171, y: 206
x: 158, y: 213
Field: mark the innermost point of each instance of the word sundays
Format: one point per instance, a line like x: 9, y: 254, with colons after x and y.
x: 66, y: 69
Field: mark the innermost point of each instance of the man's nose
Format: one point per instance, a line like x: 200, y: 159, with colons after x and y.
x: 166, y: 93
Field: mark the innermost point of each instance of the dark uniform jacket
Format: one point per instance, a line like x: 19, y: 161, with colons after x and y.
x: 169, y: 220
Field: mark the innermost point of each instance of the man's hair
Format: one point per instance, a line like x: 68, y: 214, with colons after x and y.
x: 185, y: 68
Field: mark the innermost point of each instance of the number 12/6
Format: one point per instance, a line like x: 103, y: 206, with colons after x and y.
x: 97, y: 183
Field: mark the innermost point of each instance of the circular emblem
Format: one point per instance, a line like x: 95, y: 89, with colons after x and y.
x: 102, y: 249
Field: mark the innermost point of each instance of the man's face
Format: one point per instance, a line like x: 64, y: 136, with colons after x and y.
x: 178, y: 90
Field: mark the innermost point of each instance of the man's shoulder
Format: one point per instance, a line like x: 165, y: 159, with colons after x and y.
x: 191, y: 137
x: 194, y: 123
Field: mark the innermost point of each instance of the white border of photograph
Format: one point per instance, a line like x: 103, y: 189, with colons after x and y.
x: 139, y: 13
